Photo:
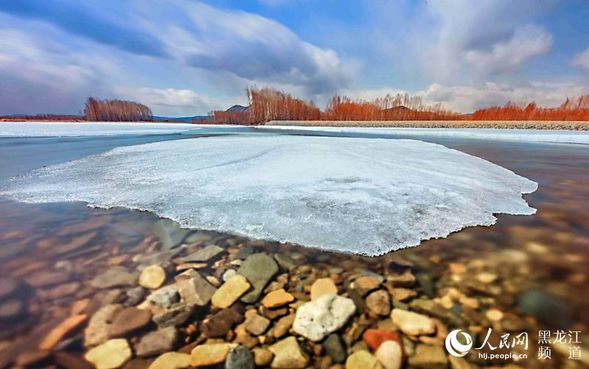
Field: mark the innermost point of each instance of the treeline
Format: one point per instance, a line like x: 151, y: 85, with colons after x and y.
x: 116, y: 111
x: 389, y: 107
x: 571, y: 110
x: 41, y: 117
x: 267, y: 104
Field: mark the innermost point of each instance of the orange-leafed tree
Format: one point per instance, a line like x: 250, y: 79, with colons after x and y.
x: 570, y: 110
x: 116, y: 111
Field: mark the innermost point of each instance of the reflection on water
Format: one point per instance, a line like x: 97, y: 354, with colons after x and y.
x: 522, y: 275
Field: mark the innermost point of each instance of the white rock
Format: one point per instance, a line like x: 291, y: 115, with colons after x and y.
x: 316, y: 319
x: 390, y: 355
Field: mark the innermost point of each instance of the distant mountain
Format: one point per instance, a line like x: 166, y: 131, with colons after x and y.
x: 238, y: 109
x: 405, y: 113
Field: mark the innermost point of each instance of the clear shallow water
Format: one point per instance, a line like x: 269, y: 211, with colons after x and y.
x: 547, y: 252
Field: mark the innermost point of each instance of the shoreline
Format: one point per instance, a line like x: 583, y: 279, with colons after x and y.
x: 507, y: 124
x: 496, y: 124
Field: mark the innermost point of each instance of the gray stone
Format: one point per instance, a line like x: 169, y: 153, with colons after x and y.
x: 285, y: 261
x: 244, y: 252
x: 200, y: 236
x: 98, y: 328
x: 114, y: 277
x: 335, y: 349
x: 205, y: 254
x: 169, y: 233
x: 194, y: 289
x: 175, y: 316
x: 228, y: 274
x: 162, y: 258
x: 256, y: 324
x: 548, y: 308
x: 165, y: 296
x: 157, y: 342
x: 240, y: 357
x: 134, y: 296
x: 429, y: 307
x: 259, y: 270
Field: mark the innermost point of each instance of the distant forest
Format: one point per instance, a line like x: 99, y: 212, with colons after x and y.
x: 268, y: 104
x: 116, y: 110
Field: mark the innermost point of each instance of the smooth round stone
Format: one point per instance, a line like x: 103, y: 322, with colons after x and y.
x: 256, y: 324
x: 323, y: 286
x: 240, y: 358
x: 334, y: 348
x: 390, y: 355
x: 362, y: 360
x: 171, y: 360
x: 411, y: 323
x: 152, y: 277
x: 494, y: 315
x: 210, y: 354
x: 129, y: 320
x: 277, y: 298
x: 288, y: 355
x: 262, y: 357
x: 112, y: 354
x: 230, y: 291
x: 375, y: 337
x: 379, y: 303
x: 157, y: 342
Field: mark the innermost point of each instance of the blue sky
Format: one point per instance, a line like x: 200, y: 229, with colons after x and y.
x: 190, y: 57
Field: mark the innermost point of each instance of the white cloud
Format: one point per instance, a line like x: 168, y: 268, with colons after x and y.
x: 469, y: 98
x: 458, y: 40
x: 246, y: 45
x: 465, y: 98
x: 508, y: 56
x: 582, y: 60
x: 41, y: 76
x: 175, y: 102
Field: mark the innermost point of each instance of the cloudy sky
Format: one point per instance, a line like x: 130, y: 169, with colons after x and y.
x: 187, y: 57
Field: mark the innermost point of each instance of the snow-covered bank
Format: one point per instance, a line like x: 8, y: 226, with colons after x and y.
x: 76, y: 129
x: 365, y: 196
x: 523, y: 135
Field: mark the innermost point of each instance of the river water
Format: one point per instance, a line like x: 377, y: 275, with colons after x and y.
x: 531, y: 268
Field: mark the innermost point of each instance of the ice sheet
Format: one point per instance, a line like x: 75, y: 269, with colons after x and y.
x: 364, y: 196
x: 73, y: 129
x: 522, y: 135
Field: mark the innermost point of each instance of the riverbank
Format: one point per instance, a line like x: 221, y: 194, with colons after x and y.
x: 564, y: 125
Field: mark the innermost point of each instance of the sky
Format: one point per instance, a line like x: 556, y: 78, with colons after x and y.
x: 189, y: 57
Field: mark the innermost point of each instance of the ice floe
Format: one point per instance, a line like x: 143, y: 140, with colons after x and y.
x: 364, y: 196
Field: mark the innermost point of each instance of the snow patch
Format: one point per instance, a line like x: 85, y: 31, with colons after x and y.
x: 355, y: 195
x: 518, y: 135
